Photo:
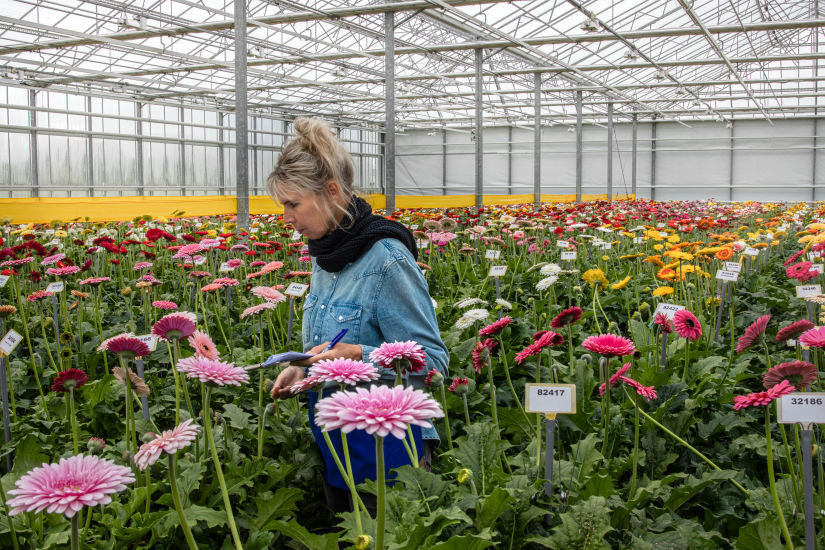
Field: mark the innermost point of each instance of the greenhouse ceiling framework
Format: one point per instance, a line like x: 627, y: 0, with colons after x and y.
x: 666, y: 60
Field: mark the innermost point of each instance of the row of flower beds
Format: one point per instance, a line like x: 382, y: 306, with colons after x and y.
x: 129, y: 332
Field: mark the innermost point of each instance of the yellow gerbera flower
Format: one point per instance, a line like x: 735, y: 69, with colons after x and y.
x: 595, y: 277
x: 621, y: 284
x: 663, y: 291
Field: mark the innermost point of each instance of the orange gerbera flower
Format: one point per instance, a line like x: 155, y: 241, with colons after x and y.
x: 666, y: 273
x: 724, y: 254
x: 655, y: 260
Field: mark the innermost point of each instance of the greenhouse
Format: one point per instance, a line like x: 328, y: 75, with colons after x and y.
x: 401, y: 274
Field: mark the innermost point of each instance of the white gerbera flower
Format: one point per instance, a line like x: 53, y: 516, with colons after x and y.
x: 547, y: 282
x: 476, y: 314
x: 467, y: 302
x: 550, y: 269
x: 504, y: 303
x: 464, y: 322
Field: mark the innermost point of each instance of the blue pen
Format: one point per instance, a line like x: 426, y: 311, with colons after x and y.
x: 335, y: 340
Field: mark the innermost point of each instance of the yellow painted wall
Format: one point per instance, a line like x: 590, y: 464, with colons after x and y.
x: 47, y: 209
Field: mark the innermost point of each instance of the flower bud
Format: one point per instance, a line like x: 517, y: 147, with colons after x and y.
x: 434, y: 379
x: 270, y: 409
x: 363, y: 542
x: 586, y: 357
x: 126, y: 291
x: 95, y: 445
x: 644, y: 306
x: 464, y: 475
x: 148, y: 436
x: 268, y: 383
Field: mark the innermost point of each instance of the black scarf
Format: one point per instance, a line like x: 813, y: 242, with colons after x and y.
x: 345, y: 245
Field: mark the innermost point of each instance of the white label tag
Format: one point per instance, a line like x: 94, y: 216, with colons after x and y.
x: 53, y: 242
x: 569, y: 255
x: 563, y: 244
x: 742, y: 244
x: 4, y: 279
x: 56, y: 287
x: 550, y: 398
x: 296, y: 290
x: 422, y: 244
x: 812, y: 255
x: 492, y: 254
x: 639, y: 240
x: 749, y: 251
x: 819, y: 268
x: 660, y: 225
x: 414, y: 226
x: 731, y: 276
x: 604, y: 229
x: 802, y: 408
x: 9, y: 342
x: 769, y: 236
x: 638, y: 228
x: 791, y: 343
x: 736, y: 267
x: 804, y: 291
x: 498, y: 270
x: 200, y: 260
x: 225, y: 267
x: 604, y: 246
x: 296, y: 235
x: 150, y: 340
x: 663, y: 233
x: 668, y: 309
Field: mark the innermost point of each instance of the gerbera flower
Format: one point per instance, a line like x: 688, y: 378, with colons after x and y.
x: 141, y: 265
x: 752, y: 333
x: 494, y: 328
x: 687, y: 325
x: 62, y: 271
x: 550, y: 269
x: 793, y: 329
x: 662, y: 291
x: 343, y: 371
x: 257, y: 308
x: 620, y: 284
x: 800, y: 374
x: 125, y: 345
x: 68, y: 486
x: 459, y: 386
x: 216, y: 372
x: 170, y: 441
x: 615, y: 379
x: 53, y: 259
x: 268, y: 293
x: 467, y: 302
x: 379, y: 410
x: 479, y: 361
x: 595, y: 277
x: 433, y: 379
x: 543, y: 340
x: 547, y: 282
x: 408, y: 356
x: 305, y: 384
x: 175, y: 326
x: 70, y: 379
x: 662, y: 320
x: 798, y: 270
x: 763, y: 397
x: 567, y: 317
x: 38, y: 295
x: 203, y: 345
x: 188, y: 250
x: 226, y: 281
x: 94, y: 281
x: 648, y: 392
x: 136, y: 382
x: 610, y: 345
x: 814, y: 337
x: 165, y: 304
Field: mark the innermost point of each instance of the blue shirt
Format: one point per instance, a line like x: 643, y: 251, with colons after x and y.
x: 380, y: 297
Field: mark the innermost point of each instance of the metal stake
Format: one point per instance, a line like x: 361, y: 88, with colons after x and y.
x: 723, y: 294
x: 550, y: 431
x: 663, y: 355
x: 289, y: 320
x: 144, y: 401
x: 4, y: 393
x: 808, y: 487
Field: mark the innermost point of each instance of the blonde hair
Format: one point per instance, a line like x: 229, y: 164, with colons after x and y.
x: 309, y: 161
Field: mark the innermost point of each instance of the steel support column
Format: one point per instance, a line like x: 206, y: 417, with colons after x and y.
x: 140, y: 168
x: 241, y: 122
x: 653, y: 159
x: 730, y: 176
x: 536, y: 139
x: 33, y: 143
x: 634, y: 155
x: 509, y: 159
x: 389, y: 122
x: 610, y: 151
x: 479, y: 156
x: 444, y: 161
x: 182, y: 150
x: 221, y: 153
x: 90, y: 146
x: 578, y: 146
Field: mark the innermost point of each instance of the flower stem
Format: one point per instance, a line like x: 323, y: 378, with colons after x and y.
x: 173, y: 484
x: 687, y: 359
x: 9, y: 518
x: 207, y: 426
x: 772, y: 480
x: 509, y: 381
x: 635, y: 447
x: 177, y: 384
x: 353, y: 492
x: 75, y: 544
x: 466, y: 411
x: 70, y: 402
x: 382, y: 488
x: 446, y: 418
x: 492, y: 385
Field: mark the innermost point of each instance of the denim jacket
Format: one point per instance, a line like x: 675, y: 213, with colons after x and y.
x: 380, y: 297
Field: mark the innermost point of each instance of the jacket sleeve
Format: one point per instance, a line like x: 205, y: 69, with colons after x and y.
x: 404, y: 311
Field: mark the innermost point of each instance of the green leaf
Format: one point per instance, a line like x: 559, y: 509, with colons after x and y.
x: 195, y: 513
x: 587, y: 455
x: 237, y: 417
x: 298, y: 533
x: 28, y: 455
x: 761, y: 535
x: 271, y: 507
x: 426, y: 530
x: 693, y: 485
x: 480, y: 451
x: 420, y: 485
x: 582, y: 528
x: 189, y: 478
x: 467, y: 542
x: 493, y: 507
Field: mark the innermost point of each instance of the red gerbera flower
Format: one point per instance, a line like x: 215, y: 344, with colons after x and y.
x: 662, y: 320
x: 494, y: 328
x: 800, y: 374
x: 752, y: 333
x: 479, y: 361
x: 793, y: 329
x: 762, y: 397
x: 566, y: 317
x: 545, y: 340
x: 71, y: 379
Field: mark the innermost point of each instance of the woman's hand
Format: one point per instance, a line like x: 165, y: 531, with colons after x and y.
x: 282, y: 389
x: 347, y: 351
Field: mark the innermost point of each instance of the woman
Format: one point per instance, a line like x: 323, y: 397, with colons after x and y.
x: 364, y: 279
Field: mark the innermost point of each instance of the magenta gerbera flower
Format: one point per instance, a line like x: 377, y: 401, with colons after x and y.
x: 800, y: 374
x: 610, y: 345
x: 648, y: 392
x: 814, y: 337
x: 799, y: 270
x: 408, y: 356
x: 687, y: 325
x: 216, y: 372
x: 165, y: 304
x: 379, y: 410
x: 70, y: 379
x: 69, y: 485
x: 752, y: 333
x: 762, y: 397
x: 494, y: 328
x: 203, y: 345
x: 125, y: 344
x: 615, y: 379
x: 169, y: 442
x: 53, y: 259
x: 542, y: 339
x: 175, y: 326
x: 793, y: 329
x: 62, y: 271
x: 343, y: 371
x: 567, y: 317
x: 479, y: 361
x: 188, y: 250
x: 459, y: 386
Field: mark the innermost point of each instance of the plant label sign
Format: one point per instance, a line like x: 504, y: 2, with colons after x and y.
x: 296, y: 235
x: 736, y: 267
x: 422, y: 243
x: 604, y: 229
x: 225, y: 267
x: 563, y: 244
x: 803, y: 291
x: 750, y: 251
x: 414, y: 226
x: 604, y: 246
x: 668, y: 309
x: 497, y: 271
x: 730, y: 276
x: 4, y: 279
x: 812, y: 256
x: 55, y: 287
x: 296, y: 290
x: 9, y: 342
x: 150, y: 340
x: 802, y: 408
x: 492, y: 254
x: 199, y: 260
x: 566, y: 255
x: 663, y: 233
x: 550, y: 398
x: 819, y: 268
x: 638, y: 240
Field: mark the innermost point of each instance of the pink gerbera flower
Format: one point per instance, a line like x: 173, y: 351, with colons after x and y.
x: 165, y: 304
x: 752, y: 333
x: 38, y: 295
x: 203, y: 345
x: 479, y: 360
x: 125, y: 345
x: 648, y: 392
x: 53, y: 259
x: 609, y: 344
x: 615, y: 379
x: 567, y: 317
x: 256, y: 309
x: 272, y: 266
x: 687, y: 325
x: 494, y: 328
x: 62, y: 271
x: 169, y: 442
x: 814, y: 338
x: 175, y: 326
x: 141, y: 265
x: 793, y: 329
x: 799, y: 270
x: 408, y: 356
x: 268, y: 293
x: 226, y: 281
x: 800, y: 374
x: 188, y: 250
x: 69, y: 485
x: 763, y: 397
x: 306, y: 384
x: 662, y: 320
x: 216, y: 372
x: 379, y: 410
x: 94, y: 281
x: 343, y: 371
x: 542, y: 339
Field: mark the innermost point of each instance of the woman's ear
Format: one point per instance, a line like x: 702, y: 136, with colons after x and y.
x: 333, y: 190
